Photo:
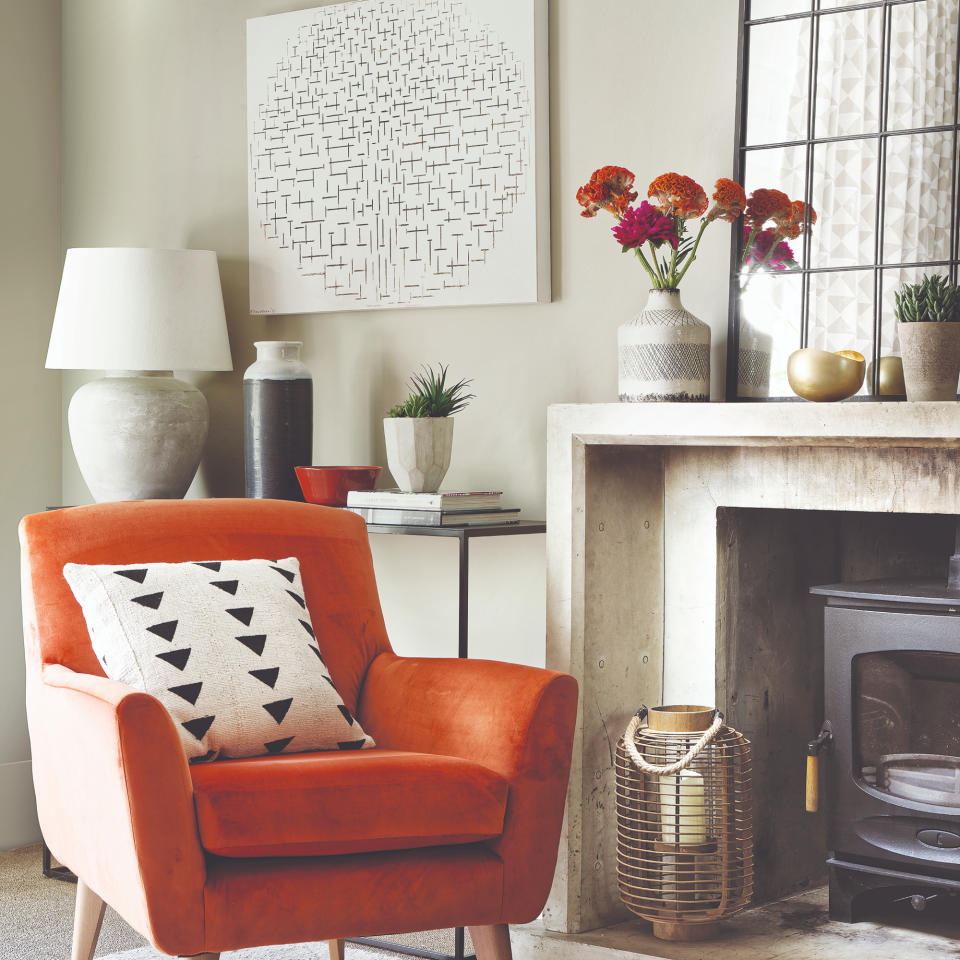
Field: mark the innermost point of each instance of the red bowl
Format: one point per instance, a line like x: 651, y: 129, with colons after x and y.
x: 329, y: 485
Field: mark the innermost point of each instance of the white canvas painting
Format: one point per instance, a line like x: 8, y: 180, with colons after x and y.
x: 398, y: 155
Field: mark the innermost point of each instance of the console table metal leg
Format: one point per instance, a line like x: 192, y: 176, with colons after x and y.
x: 463, y: 592
x: 51, y: 872
x: 403, y: 949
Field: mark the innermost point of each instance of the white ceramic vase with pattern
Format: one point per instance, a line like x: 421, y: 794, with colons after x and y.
x: 664, y: 353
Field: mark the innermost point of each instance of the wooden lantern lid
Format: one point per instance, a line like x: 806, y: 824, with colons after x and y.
x: 680, y: 718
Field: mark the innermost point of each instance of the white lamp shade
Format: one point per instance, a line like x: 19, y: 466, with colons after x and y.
x: 132, y: 308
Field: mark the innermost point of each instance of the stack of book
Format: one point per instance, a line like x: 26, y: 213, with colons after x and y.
x: 446, y: 509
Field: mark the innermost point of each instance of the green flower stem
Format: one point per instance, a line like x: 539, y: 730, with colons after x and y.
x: 749, y: 244
x: 646, y: 266
x: 656, y: 264
x: 758, y: 267
x: 693, y: 254
x: 672, y: 276
x: 746, y: 250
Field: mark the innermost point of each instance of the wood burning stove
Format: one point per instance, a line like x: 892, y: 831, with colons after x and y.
x: 892, y: 702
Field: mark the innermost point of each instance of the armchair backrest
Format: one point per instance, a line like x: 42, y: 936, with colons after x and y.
x: 332, y: 546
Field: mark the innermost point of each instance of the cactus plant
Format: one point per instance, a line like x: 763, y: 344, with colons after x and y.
x: 933, y: 299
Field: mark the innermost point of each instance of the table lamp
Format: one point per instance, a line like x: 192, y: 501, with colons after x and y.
x: 139, y: 314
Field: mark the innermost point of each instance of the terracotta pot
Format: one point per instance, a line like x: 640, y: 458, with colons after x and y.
x: 931, y: 359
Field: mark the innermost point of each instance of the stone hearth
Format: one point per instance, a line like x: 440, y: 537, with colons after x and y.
x: 639, y: 505
x: 796, y: 928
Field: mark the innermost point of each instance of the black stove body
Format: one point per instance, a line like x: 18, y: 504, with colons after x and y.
x: 892, y: 698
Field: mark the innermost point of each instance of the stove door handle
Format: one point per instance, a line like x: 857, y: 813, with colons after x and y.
x: 812, y: 800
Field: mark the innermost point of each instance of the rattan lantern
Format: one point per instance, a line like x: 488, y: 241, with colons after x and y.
x: 684, y: 821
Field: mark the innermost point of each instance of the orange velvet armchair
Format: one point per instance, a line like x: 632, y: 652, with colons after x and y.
x: 453, y: 820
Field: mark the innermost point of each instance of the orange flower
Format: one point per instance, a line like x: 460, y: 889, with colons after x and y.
x: 607, y: 189
x: 729, y: 201
x: 765, y: 205
x: 796, y: 223
x: 678, y: 196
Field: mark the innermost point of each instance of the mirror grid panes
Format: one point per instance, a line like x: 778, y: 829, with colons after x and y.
x: 853, y: 109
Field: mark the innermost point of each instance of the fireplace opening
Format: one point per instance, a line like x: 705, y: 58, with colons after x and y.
x: 771, y: 669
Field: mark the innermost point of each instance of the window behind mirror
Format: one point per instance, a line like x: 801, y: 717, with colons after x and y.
x: 852, y: 108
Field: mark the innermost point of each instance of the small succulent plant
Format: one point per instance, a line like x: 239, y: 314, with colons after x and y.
x: 431, y: 397
x: 934, y: 298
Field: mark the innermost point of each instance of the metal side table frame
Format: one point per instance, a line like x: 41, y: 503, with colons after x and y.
x: 463, y: 536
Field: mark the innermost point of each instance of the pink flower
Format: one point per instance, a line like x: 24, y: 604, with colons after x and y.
x: 643, y: 223
x: 778, y: 259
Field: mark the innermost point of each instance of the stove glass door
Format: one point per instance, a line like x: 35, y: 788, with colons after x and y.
x: 906, y: 725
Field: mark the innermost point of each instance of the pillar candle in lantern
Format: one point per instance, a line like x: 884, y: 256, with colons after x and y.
x: 682, y: 808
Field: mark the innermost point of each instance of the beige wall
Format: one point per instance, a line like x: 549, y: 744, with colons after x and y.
x: 155, y: 154
x: 29, y: 397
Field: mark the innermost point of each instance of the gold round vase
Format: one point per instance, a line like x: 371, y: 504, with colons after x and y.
x: 823, y: 376
x: 891, y: 377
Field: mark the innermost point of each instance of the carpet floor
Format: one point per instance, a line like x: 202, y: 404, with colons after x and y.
x: 36, y: 923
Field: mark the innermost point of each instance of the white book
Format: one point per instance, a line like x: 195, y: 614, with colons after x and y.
x: 389, y: 516
x: 444, y: 500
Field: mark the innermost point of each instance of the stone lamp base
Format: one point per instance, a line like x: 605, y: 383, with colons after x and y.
x: 138, y: 435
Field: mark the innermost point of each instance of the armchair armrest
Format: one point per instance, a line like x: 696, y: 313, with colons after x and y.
x: 518, y: 721
x: 116, y: 802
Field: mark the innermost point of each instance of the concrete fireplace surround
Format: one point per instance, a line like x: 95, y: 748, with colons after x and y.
x: 635, y: 566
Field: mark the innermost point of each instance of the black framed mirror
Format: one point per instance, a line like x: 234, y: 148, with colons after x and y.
x: 852, y: 108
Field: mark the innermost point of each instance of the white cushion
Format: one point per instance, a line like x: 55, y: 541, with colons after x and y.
x: 227, y: 646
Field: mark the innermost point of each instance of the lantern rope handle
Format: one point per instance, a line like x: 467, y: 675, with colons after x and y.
x: 671, y: 768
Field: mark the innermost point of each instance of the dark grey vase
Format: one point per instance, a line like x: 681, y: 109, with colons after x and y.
x: 277, y: 421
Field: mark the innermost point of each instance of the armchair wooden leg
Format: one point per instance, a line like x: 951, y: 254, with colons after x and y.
x: 337, y: 949
x: 87, y: 920
x: 491, y: 943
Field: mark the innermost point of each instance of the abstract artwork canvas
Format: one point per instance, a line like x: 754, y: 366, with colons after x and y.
x: 398, y: 155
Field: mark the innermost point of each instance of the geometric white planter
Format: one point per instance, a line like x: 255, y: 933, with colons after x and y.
x: 138, y: 435
x: 418, y: 451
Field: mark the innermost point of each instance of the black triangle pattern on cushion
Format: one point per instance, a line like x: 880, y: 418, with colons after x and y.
x: 228, y: 586
x: 165, y: 630
x: 255, y: 642
x: 138, y: 575
x: 151, y: 600
x: 278, y: 709
x: 188, y: 691
x: 268, y: 675
x: 198, y: 727
x: 298, y: 598
x: 213, y: 690
x: 177, y: 658
x: 243, y: 614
